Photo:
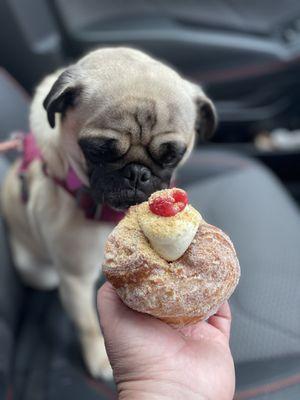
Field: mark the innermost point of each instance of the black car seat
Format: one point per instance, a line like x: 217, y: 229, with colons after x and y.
x: 39, y: 353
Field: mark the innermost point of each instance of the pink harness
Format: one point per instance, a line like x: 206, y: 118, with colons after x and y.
x: 72, y: 184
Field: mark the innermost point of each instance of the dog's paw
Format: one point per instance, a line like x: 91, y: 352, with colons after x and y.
x: 95, y: 357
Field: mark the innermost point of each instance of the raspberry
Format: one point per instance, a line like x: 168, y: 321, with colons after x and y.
x: 180, y: 196
x: 168, y: 203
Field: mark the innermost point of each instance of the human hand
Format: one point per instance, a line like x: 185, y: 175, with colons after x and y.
x: 151, y: 360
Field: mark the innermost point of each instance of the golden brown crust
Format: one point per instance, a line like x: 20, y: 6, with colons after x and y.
x: 181, y: 292
x: 182, y: 321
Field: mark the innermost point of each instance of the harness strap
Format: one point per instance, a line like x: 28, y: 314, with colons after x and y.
x: 71, y: 184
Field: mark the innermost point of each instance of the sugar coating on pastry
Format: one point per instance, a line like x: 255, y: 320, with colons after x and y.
x: 180, y: 292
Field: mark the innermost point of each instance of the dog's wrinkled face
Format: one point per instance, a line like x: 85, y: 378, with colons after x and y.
x: 129, y: 153
x: 127, y: 122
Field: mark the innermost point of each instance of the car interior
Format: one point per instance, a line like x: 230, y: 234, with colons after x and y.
x: 245, y: 179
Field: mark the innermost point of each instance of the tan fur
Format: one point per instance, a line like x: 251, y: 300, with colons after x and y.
x: 53, y: 244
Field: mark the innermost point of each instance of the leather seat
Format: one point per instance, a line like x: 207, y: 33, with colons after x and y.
x: 39, y: 352
x: 250, y: 204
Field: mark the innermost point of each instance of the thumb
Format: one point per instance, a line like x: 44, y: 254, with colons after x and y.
x: 116, y: 317
x: 111, y: 309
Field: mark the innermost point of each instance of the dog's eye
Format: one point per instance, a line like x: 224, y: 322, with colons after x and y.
x: 97, y: 150
x: 170, y: 153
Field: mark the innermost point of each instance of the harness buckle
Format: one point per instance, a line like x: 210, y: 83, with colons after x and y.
x: 80, y: 193
x: 24, y: 186
x: 98, y: 212
x: 85, y: 201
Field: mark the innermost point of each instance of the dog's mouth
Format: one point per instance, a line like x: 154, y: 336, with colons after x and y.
x: 126, y: 187
x: 123, y: 199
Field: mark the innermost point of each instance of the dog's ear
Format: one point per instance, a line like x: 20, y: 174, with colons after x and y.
x: 206, y: 119
x: 63, y: 94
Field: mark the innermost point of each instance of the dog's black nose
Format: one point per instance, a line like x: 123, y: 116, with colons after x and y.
x: 138, y: 176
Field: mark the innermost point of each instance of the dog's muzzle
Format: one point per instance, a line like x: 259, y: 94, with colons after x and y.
x: 137, y: 177
x: 122, y: 188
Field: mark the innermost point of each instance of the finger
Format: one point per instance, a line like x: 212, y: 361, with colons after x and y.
x: 222, y: 319
x: 116, y: 317
x: 114, y: 314
x: 110, y: 307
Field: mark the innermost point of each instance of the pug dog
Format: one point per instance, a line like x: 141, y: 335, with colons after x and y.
x: 124, y: 122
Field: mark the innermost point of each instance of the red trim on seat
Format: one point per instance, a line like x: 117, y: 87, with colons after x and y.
x: 245, y: 72
x: 268, y: 388
x: 9, y: 393
x: 219, y: 160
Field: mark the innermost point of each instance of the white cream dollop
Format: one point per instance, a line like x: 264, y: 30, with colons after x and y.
x: 170, y: 237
